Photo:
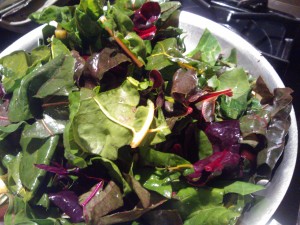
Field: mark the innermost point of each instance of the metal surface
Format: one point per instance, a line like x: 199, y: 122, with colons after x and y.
x: 257, y: 65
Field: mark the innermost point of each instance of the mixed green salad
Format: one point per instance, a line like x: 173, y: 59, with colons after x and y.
x: 110, y: 121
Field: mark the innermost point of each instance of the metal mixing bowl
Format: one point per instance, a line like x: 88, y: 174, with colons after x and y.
x: 252, y: 60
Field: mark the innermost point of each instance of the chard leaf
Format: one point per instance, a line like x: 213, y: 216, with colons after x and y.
x: 100, y: 114
x: 207, y: 49
x: 168, y: 8
x: 45, y: 127
x: 162, y: 54
x: 103, y: 202
x: 35, y: 151
x: 114, y: 172
x: 23, y: 105
x: 108, y: 58
x: 93, y: 8
x: 151, y: 157
x: 61, y: 81
x: 133, y: 214
x: 242, y: 188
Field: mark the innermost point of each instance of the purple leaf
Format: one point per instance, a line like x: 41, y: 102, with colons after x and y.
x: 184, y: 85
x: 68, y: 202
x: 145, y: 18
x: 212, y: 166
x: 57, y: 169
x: 224, y: 135
x: 157, y: 79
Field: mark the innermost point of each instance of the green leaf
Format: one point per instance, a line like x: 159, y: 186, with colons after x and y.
x: 162, y: 54
x: 13, y: 181
x: 18, y: 212
x: 203, y: 206
x: 168, y: 8
x: 5, y: 131
x: 44, y: 128
x: 159, y: 181
x: 58, y: 48
x: 73, y: 152
x: 23, y: 105
x: 35, y: 151
x: 155, y: 158
x: 13, y: 72
x: 242, y: 188
x: 205, y: 146
x: 61, y: 80
x: 207, y: 49
x: 236, y: 80
x: 100, y: 114
x: 114, y: 172
x: 40, y: 54
x: 62, y: 15
x: 93, y: 8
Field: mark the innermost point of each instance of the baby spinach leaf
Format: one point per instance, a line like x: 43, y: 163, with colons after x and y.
x: 236, y: 80
x: 159, y: 181
x: 58, y: 48
x: 203, y: 206
x: 40, y: 54
x: 207, y: 49
x: 93, y: 8
x: 242, y: 188
x: 205, y: 147
x: 6, y: 130
x: 12, y: 72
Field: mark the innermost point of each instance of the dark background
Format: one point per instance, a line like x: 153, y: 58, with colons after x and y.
x: 287, y: 212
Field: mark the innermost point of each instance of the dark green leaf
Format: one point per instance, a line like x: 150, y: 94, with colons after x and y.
x: 23, y: 105
x: 205, y: 146
x: 35, y: 151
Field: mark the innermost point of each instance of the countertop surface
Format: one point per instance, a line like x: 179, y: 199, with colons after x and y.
x: 287, y: 213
